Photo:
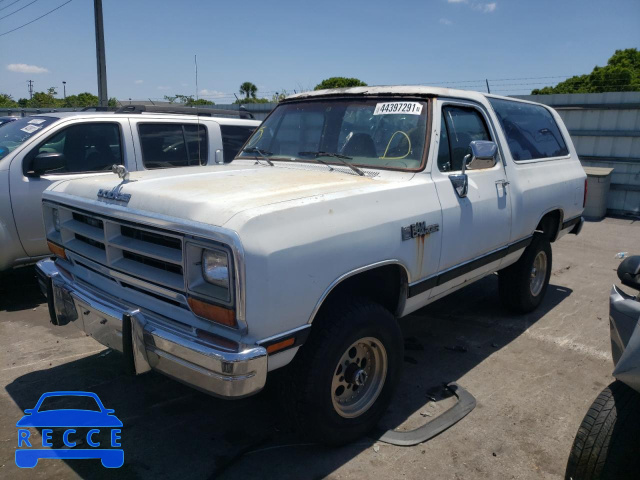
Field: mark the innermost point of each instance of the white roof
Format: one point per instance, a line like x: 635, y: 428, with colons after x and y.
x: 417, y: 90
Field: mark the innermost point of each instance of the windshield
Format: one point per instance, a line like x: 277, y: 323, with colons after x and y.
x: 15, y: 133
x: 378, y: 133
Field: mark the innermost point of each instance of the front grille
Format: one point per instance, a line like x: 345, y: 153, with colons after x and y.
x: 146, y: 253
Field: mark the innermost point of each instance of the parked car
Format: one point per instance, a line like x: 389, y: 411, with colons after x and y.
x: 608, y: 440
x: 37, y: 151
x: 5, y: 120
x: 345, y: 210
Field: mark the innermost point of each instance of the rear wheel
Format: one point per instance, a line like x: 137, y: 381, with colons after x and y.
x: 524, y: 284
x: 608, y: 440
x: 343, y: 378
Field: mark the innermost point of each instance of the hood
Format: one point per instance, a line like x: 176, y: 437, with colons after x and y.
x: 213, y: 195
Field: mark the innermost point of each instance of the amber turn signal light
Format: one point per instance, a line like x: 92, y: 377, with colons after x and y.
x: 276, y: 347
x: 57, y: 250
x: 215, y: 313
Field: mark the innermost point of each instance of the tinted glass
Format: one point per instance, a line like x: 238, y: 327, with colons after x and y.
x: 233, y: 138
x: 463, y: 126
x: 531, y: 131
x: 17, y: 132
x: 444, y: 156
x: 87, y: 147
x: 388, y: 133
x: 166, y: 145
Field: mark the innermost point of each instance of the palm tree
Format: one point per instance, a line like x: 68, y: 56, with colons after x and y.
x: 248, y: 89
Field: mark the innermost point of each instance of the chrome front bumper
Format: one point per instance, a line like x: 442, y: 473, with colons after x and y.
x: 150, y: 341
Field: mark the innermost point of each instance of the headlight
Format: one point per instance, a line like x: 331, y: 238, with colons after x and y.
x: 56, y: 219
x: 215, y: 268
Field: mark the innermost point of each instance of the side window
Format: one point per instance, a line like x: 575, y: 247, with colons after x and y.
x: 233, y: 138
x: 531, y: 131
x: 87, y: 147
x: 463, y: 125
x: 166, y: 145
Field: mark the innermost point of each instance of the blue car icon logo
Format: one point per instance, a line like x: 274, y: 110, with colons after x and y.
x: 90, y: 414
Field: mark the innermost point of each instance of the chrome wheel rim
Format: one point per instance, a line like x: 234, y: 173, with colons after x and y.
x: 358, y: 377
x: 538, y: 273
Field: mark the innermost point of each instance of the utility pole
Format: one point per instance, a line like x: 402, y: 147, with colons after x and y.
x: 64, y: 89
x: 100, y: 56
x: 30, y: 82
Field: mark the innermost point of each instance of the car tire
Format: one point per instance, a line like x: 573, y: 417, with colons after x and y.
x: 332, y: 400
x: 524, y: 284
x: 608, y: 440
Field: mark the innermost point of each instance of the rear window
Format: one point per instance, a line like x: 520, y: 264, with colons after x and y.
x: 531, y: 131
x: 166, y: 145
x: 233, y: 138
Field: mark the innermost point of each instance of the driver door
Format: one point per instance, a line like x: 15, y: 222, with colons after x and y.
x: 474, y: 226
x: 87, y: 147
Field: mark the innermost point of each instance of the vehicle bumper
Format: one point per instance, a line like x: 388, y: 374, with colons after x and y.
x: 624, y: 321
x: 151, y: 341
x: 577, y: 227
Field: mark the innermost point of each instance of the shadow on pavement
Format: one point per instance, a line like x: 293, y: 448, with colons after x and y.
x: 19, y: 290
x: 172, y: 431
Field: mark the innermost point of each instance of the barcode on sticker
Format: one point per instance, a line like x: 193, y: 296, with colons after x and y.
x: 386, y: 108
x: 37, y: 121
x: 30, y: 129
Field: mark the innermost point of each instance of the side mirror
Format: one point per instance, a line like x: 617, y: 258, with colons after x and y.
x: 218, y: 158
x: 45, y: 162
x: 483, y: 155
x: 629, y: 272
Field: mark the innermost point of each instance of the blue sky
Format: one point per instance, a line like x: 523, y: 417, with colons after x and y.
x: 294, y: 45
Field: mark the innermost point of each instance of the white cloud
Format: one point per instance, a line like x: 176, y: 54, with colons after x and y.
x: 211, y: 93
x: 485, y: 7
x: 139, y: 82
x: 489, y: 7
x: 163, y: 87
x: 24, y: 68
x: 457, y: 1
x: 444, y: 21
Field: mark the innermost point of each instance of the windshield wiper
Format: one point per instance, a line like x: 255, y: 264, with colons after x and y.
x: 262, y: 153
x: 342, y: 158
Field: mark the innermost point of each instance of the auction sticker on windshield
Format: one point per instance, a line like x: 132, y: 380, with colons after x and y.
x: 386, y: 108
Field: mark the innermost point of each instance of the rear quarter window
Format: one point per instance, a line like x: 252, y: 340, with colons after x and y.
x: 532, y: 132
x: 167, y: 145
x: 233, y: 138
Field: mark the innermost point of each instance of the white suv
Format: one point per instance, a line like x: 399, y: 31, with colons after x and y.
x: 37, y: 151
x: 345, y: 210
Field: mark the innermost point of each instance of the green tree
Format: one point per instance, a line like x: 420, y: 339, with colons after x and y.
x: 340, y: 82
x: 621, y: 74
x: 187, y: 100
x: 81, y: 100
x: 113, y: 102
x: 45, y: 100
x: 242, y: 101
x: 7, y: 101
x: 249, y: 90
x: 279, y: 96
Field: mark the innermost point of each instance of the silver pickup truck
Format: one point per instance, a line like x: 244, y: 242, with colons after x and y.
x: 40, y: 150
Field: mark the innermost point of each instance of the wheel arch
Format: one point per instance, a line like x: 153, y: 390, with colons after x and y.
x: 550, y: 223
x: 386, y: 281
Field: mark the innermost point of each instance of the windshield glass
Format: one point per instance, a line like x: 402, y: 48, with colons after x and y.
x: 15, y: 133
x: 378, y: 133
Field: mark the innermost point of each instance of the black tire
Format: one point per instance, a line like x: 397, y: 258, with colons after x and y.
x: 515, y: 280
x: 309, y: 385
x: 608, y: 440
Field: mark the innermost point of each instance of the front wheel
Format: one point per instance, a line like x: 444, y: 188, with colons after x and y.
x: 343, y: 378
x: 524, y: 284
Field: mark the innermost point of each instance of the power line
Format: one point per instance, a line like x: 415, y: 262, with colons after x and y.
x: 4, y: 8
x: 35, y: 20
x: 21, y: 8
